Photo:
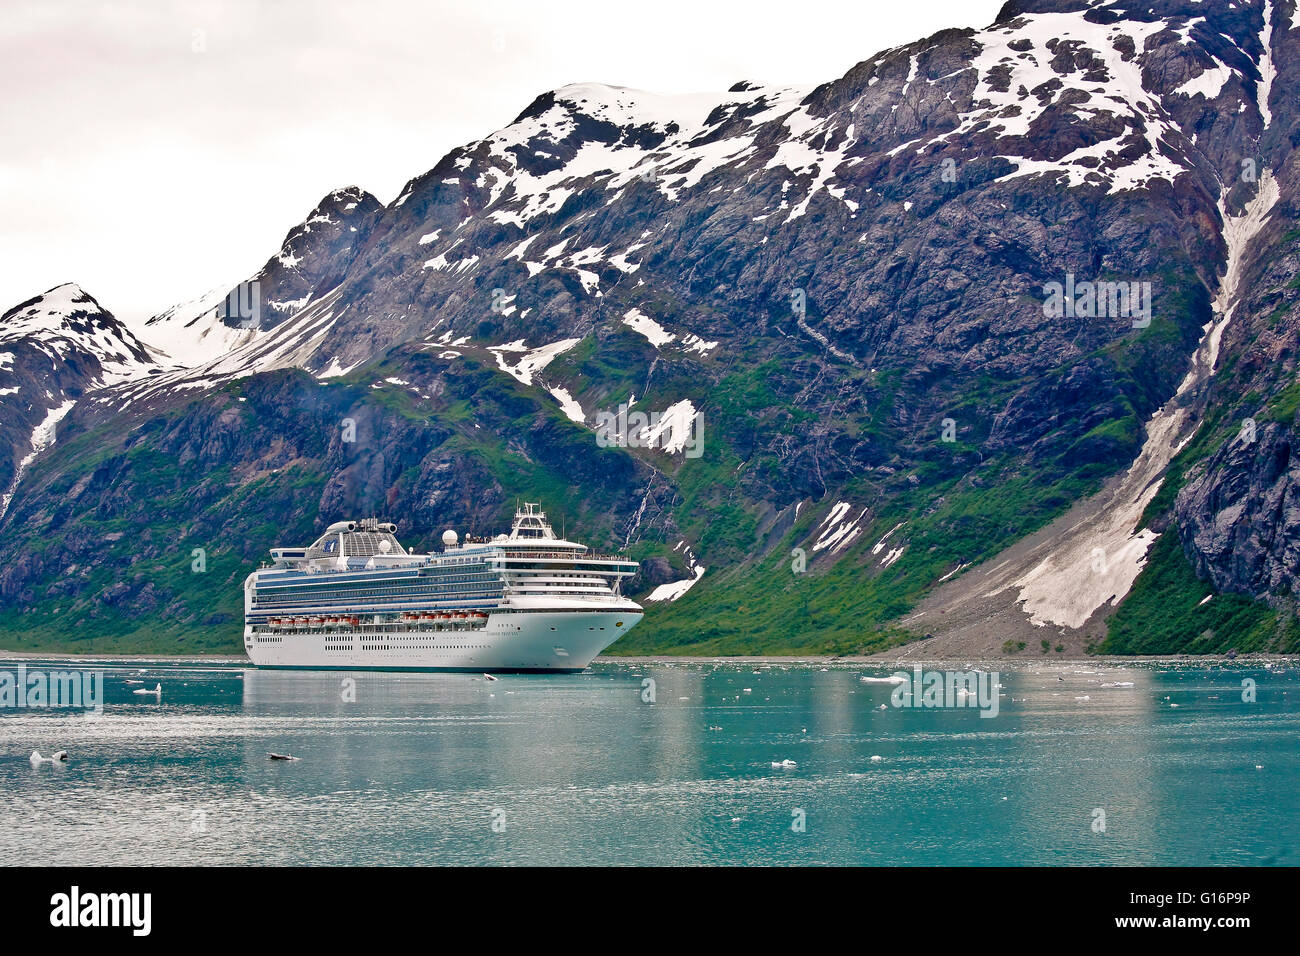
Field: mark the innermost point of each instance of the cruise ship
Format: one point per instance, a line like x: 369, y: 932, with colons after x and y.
x: 527, y: 601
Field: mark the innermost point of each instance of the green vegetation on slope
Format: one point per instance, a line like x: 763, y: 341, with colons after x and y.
x: 1170, y: 611
x: 762, y: 606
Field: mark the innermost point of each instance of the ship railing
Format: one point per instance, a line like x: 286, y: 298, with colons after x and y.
x: 569, y: 556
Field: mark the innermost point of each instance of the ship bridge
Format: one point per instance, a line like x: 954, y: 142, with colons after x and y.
x: 531, y: 524
x: 536, y: 564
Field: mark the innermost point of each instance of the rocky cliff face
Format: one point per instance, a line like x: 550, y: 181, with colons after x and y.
x: 1241, y: 518
x: 835, y: 307
x: 1237, y: 512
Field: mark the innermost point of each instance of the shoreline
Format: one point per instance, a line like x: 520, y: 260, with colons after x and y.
x: 906, y: 664
x: 806, y: 659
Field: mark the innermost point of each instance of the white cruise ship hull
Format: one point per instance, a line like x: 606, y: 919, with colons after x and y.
x: 559, y: 641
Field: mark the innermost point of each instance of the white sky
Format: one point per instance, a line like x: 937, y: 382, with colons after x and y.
x: 152, y: 151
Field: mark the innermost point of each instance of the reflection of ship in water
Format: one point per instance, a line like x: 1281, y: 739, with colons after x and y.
x: 523, y: 601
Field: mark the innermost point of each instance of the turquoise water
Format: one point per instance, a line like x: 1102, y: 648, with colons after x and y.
x: 578, y: 769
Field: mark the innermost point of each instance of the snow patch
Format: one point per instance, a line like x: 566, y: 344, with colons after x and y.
x: 43, y: 436
x: 837, y: 529
x: 568, y: 404
x: 675, y: 589
x: 531, y: 362
x: 675, y: 428
x: 657, y: 335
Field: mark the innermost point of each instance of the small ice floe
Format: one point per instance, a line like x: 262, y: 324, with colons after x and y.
x: 786, y: 764
x: 1173, y: 705
x: 735, y: 819
x: 156, y: 692
x: 891, y: 679
x: 882, y: 707
x: 135, y: 682
x: 1118, y: 683
x: 489, y: 677
x: 1259, y: 766
x: 749, y: 690
x: 275, y: 756
x: 1084, y: 697
x: 876, y: 758
x: 59, y: 756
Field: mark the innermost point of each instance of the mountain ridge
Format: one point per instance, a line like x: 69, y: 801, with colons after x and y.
x: 845, y: 284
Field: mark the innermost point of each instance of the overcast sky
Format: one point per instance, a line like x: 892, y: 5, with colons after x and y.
x: 152, y: 151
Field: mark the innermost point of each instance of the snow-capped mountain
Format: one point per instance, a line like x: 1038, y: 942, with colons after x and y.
x: 835, y: 295
x: 314, y: 254
x: 592, y: 183
x: 68, y: 326
x: 55, y: 348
